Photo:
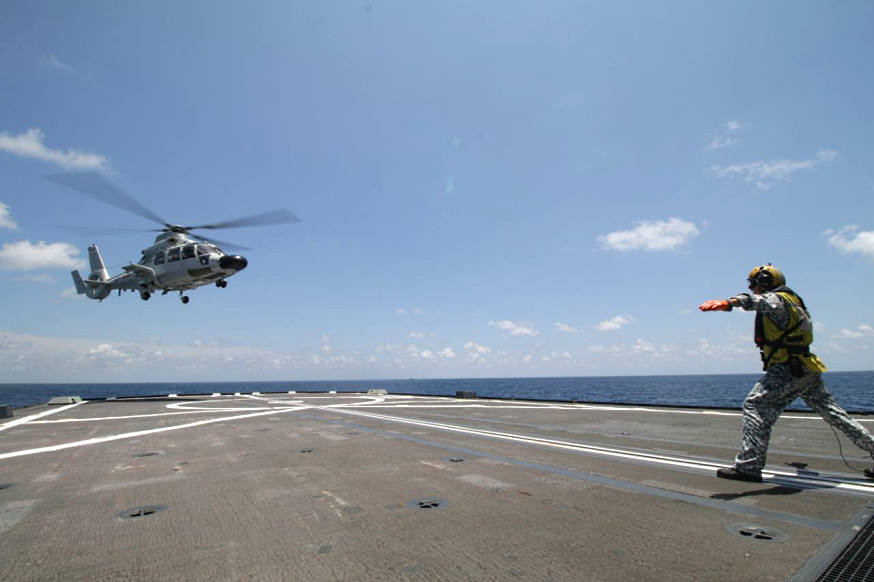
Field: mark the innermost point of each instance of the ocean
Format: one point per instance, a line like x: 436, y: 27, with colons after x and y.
x: 853, y: 390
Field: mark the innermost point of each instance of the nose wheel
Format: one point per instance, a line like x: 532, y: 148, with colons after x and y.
x: 183, y: 298
x: 221, y: 284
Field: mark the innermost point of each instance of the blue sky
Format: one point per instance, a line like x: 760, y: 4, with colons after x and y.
x: 485, y: 188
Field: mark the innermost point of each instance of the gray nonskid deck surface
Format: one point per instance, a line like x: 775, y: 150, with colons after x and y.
x: 368, y: 487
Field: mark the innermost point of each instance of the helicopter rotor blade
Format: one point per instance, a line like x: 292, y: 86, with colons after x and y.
x: 96, y: 186
x: 88, y: 230
x: 224, y: 244
x: 280, y: 216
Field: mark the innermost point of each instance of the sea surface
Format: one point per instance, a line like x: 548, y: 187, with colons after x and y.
x: 853, y: 390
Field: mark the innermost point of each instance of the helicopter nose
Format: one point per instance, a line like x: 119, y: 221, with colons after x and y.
x: 233, y: 262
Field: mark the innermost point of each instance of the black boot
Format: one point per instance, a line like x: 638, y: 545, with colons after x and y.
x: 732, y: 473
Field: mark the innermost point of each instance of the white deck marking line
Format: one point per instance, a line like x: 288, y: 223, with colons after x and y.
x: 665, y: 460
x: 92, y: 419
x: 33, y: 417
x: 139, y: 433
x: 548, y: 406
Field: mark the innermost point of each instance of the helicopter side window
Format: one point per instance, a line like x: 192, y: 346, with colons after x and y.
x: 203, y: 253
x: 159, y: 258
x: 188, y: 252
x: 173, y: 254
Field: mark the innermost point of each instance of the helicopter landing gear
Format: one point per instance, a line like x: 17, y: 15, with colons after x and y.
x: 183, y: 298
x: 144, y: 295
x: 221, y: 284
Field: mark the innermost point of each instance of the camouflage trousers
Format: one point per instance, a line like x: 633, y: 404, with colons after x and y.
x: 775, y: 391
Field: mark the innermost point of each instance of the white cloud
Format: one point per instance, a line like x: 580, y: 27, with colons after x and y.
x: 41, y: 278
x: 725, y: 136
x: 450, y: 185
x: 565, y: 327
x: 657, y: 235
x: 614, y: 323
x: 56, y: 63
x: 416, y: 334
x: 766, y: 174
x: 327, y: 349
x: 850, y: 240
x: 404, y: 311
x: 863, y: 330
x: 477, y: 348
x: 554, y: 356
x: 106, y: 351
x: 6, y: 218
x: 26, y: 256
x: 30, y: 145
x: 447, y: 353
x: 514, y: 328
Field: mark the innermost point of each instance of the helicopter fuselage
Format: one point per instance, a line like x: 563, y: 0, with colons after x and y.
x: 174, y: 263
x: 179, y: 259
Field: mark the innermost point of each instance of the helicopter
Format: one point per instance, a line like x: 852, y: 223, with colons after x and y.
x: 179, y: 260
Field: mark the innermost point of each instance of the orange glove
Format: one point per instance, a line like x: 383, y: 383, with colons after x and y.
x: 715, y: 305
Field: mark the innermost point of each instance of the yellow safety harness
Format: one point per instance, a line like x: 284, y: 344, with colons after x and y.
x: 791, y: 344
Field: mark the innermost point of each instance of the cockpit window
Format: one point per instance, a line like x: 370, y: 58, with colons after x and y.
x: 188, y: 252
x: 173, y: 254
x: 203, y: 250
x: 159, y: 258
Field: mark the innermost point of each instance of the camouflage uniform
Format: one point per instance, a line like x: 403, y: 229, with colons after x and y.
x: 776, y: 389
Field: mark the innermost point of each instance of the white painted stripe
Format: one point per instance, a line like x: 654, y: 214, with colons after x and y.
x: 556, y: 406
x: 98, y: 418
x: 33, y: 417
x: 661, y: 460
x: 139, y: 433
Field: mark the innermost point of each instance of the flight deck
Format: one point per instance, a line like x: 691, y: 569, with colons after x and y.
x: 354, y: 486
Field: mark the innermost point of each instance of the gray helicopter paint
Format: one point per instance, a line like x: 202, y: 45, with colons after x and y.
x: 146, y: 277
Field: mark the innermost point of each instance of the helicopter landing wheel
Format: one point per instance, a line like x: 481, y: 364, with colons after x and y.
x: 145, y: 296
x: 221, y: 284
x: 184, y: 299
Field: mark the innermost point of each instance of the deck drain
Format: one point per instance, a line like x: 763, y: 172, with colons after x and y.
x: 756, y: 532
x: 854, y: 561
x: 306, y: 450
x: 455, y: 459
x: 138, y: 512
x: 147, y: 454
x: 427, y: 503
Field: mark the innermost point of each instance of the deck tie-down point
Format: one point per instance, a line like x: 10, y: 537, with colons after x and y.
x: 427, y: 503
x: 756, y: 532
x: 138, y: 512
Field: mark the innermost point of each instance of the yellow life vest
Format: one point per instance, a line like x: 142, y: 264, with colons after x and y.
x: 780, y: 345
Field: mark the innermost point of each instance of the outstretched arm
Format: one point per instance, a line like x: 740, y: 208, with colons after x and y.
x: 717, y: 305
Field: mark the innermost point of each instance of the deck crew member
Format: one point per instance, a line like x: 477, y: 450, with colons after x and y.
x: 783, y: 333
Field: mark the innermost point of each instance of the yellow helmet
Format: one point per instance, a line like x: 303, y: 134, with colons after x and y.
x: 767, y: 277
